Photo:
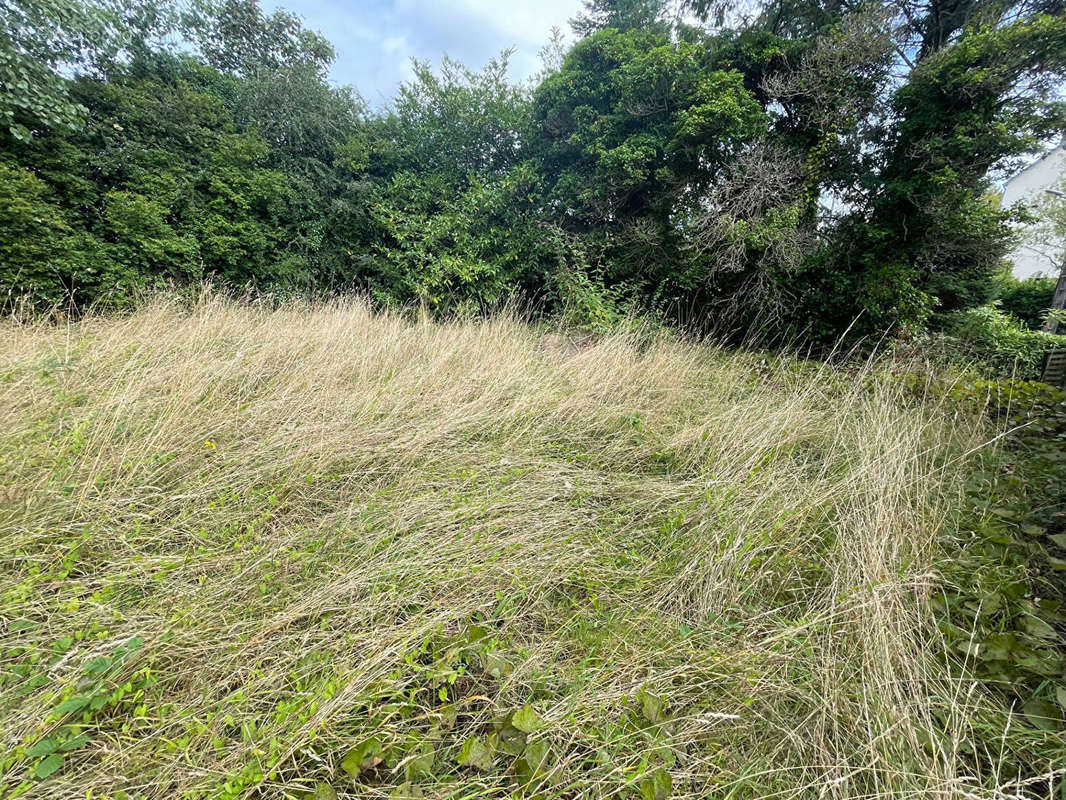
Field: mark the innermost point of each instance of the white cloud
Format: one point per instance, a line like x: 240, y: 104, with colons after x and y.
x: 476, y: 30
x: 528, y: 22
x: 395, y: 44
x: 375, y: 39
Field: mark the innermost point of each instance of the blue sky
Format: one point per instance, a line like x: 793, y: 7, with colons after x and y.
x: 375, y: 39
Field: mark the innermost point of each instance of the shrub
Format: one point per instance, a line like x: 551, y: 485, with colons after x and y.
x: 998, y: 343
x: 32, y: 235
x: 1019, y: 399
x: 1028, y: 299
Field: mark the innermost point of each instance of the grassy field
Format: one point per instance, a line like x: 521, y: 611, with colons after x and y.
x: 318, y: 552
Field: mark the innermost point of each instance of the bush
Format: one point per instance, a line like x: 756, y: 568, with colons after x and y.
x: 32, y: 236
x: 998, y: 343
x: 1016, y: 398
x: 1027, y: 300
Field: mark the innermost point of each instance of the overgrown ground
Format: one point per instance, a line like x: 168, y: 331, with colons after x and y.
x: 318, y: 552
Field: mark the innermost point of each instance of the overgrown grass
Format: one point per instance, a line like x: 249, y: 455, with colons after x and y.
x: 321, y: 552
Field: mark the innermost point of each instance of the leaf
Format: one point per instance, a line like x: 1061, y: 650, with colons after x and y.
x: 990, y: 603
x: 475, y: 633
x: 1039, y: 628
x: 1031, y: 529
x: 475, y: 753
x: 999, y: 646
x: 1044, y: 661
x: 98, y: 665
x: 45, y: 747
x: 49, y: 766
x: 1060, y: 695
x: 1059, y: 539
x: 72, y: 704
x: 653, y: 708
x: 657, y: 786
x: 496, y: 665
x: 533, y: 763
x: 1013, y: 590
x: 1043, y: 714
x: 323, y: 791
x: 526, y: 719
x: 509, y: 739
x: 73, y: 744
x: 448, y: 716
x: 362, y: 757
x: 422, y: 764
x: 1057, y: 564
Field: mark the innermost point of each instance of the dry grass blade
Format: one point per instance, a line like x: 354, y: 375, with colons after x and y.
x: 268, y: 553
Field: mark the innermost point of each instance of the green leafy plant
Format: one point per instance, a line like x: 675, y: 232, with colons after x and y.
x: 999, y: 344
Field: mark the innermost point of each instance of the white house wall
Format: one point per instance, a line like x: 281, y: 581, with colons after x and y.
x: 1038, y: 253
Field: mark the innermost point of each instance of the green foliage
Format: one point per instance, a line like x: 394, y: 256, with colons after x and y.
x: 142, y: 237
x: 1017, y: 399
x: 37, y: 38
x: 453, y: 214
x: 452, y: 123
x: 1000, y: 344
x: 364, y: 757
x: 174, y: 193
x: 1003, y: 610
x: 236, y: 36
x: 621, y: 15
x: 627, y: 126
x: 44, y: 41
x: 241, y: 216
x: 960, y: 114
x: 35, y: 236
x: 106, y: 683
x: 456, y: 251
x: 814, y: 170
x: 1027, y: 300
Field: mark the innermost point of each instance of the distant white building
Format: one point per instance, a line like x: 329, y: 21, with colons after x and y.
x: 1038, y: 251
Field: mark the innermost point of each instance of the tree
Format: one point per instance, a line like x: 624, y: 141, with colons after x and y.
x: 44, y: 42
x: 453, y: 122
x: 968, y: 106
x: 35, y: 235
x: 907, y: 219
x: 235, y: 36
x: 814, y: 163
x: 622, y: 15
x: 455, y: 208
x: 38, y: 39
x: 629, y: 134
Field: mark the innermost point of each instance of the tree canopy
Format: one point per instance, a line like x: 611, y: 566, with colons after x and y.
x: 813, y: 166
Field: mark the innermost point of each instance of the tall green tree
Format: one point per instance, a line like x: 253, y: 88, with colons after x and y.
x: 630, y: 133
x: 455, y: 209
x: 622, y: 15
x: 236, y: 36
x: 897, y: 154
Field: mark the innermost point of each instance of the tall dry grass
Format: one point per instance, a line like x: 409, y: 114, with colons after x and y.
x: 707, y: 565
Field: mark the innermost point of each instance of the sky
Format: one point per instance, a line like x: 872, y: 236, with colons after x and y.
x: 376, y: 39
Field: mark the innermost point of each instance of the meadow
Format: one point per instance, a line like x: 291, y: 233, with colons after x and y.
x: 318, y: 551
